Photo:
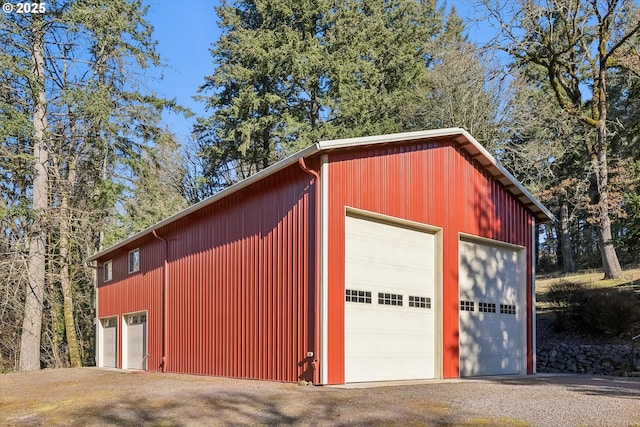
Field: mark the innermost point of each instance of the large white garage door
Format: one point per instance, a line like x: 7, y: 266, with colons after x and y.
x: 389, y: 302
x: 137, y: 341
x: 109, y: 342
x: 491, y: 313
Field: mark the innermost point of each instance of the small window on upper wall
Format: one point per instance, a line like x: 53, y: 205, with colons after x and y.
x: 134, y: 260
x: 108, y: 270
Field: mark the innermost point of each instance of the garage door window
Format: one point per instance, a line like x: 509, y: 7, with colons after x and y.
x: 135, y: 320
x: 467, y: 306
x: 419, y: 302
x: 352, y: 295
x: 507, y: 309
x: 389, y: 299
x: 486, y: 307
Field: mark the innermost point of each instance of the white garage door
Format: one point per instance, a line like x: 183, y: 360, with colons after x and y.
x: 389, y: 302
x: 491, y: 312
x: 109, y: 342
x: 137, y: 341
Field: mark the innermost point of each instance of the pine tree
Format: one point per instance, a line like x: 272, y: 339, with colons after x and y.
x: 289, y: 73
x: 91, y: 127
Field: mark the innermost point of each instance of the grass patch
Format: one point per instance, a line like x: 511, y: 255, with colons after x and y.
x: 629, y: 278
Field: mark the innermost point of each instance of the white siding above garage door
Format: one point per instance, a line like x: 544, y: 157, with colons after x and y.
x: 492, y: 309
x: 390, y: 302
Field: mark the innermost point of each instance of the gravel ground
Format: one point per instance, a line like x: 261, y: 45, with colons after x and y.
x: 98, y: 397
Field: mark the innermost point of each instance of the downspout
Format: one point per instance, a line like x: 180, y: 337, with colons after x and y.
x: 316, y: 351
x: 165, y: 282
x: 532, y: 310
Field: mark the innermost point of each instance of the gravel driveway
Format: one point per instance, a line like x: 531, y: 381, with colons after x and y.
x: 97, y: 397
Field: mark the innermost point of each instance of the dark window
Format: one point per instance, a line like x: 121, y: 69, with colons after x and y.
x: 134, y: 260
x: 486, y: 307
x: 137, y: 319
x: 389, y: 299
x: 352, y: 295
x: 420, y: 302
x: 108, y: 271
x: 507, y: 309
x: 467, y: 306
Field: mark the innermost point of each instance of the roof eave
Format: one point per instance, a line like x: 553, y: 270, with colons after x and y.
x: 541, y: 213
x: 284, y: 163
x: 461, y: 136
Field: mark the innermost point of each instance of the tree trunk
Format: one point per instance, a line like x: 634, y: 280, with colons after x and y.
x: 610, y: 263
x: 32, y: 323
x: 67, y: 173
x: 568, y: 262
x: 65, y: 282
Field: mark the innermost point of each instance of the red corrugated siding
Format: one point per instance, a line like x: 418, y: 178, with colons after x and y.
x: 136, y: 292
x: 432, y: 183
x: 240, y: 284
x: 241, y: 271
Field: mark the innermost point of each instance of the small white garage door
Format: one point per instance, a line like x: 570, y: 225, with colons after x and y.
x: 389, y: 302
x: 491, y: 311
x: 109, y: 342
x: 136, y: 341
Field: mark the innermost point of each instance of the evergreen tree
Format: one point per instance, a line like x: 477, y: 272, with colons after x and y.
x: 289, y: 73
x: 71, y: 69
x: 266, y: 88
x: 153, y: 192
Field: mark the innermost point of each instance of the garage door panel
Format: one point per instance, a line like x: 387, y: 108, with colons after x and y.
x: 137, y: 341
x: 109, y: 342
x: 384, y: 341
x: 490, y: 277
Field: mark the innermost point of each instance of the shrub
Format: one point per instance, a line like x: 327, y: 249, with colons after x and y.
x: 564, y: 296
x: 594, y: 311
x: 607, y: 311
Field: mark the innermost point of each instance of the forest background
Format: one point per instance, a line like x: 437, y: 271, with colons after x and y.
x: 87, y: 156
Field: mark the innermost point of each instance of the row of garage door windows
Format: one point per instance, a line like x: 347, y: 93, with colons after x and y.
x: 364, y: 297
x: 112, y: 322
x: 352, y: 295
x: 487, y: 307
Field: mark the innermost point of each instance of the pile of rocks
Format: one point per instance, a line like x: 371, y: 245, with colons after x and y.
x: 608, y: 359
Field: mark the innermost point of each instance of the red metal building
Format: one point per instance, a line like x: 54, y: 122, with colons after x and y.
x: 403, y: 256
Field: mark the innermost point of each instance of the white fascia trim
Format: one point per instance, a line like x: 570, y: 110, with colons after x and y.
x: 441, y: 133
x: 506, y: 173
x: 395, y: 137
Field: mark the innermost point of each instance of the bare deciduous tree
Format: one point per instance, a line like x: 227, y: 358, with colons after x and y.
x: 577, y: 42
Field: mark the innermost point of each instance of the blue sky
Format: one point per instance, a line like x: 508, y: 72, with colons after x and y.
x: 185, y: 30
